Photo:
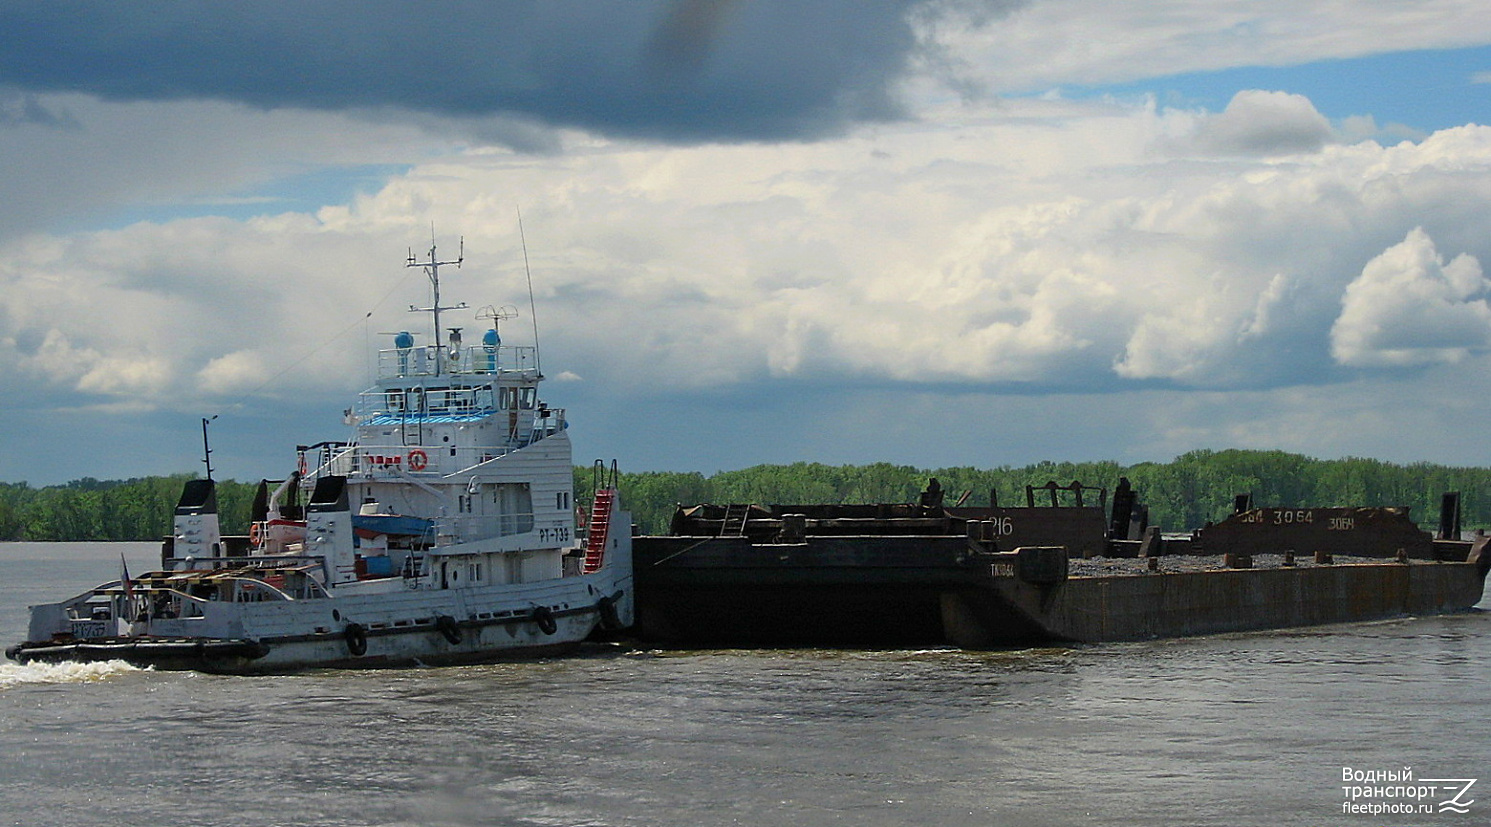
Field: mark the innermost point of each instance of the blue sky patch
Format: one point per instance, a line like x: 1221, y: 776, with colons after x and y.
x: 1425, y: 90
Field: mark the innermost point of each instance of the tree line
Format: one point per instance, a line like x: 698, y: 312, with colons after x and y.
x: 1181, y: 494
x: 90, y: 509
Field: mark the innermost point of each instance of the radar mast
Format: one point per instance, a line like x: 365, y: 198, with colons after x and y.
x: 432, y: 266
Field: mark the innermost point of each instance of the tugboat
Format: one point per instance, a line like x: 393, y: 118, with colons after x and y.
x: 444, y: 531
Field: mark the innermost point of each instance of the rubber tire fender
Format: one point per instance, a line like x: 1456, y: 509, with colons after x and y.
x: 545, y: 620
x: 357, y: 639
x: 610, y: 618
x: 449, y: 629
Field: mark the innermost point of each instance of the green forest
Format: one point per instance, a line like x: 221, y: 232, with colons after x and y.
x: 1181, y: 494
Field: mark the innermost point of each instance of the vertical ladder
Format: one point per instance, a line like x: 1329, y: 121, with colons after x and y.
x: 600, y: 529
x: 735, y: 515
x: 409, y: 427
x: 600, y: 518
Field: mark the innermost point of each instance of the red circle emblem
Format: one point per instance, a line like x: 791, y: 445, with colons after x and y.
x: 418, y: 460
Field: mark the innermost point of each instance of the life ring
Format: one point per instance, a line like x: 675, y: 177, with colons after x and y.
x: 545, y: 620
x: 254, y: 532
x: 418, y: 460
x: 448, y: 629
x: 357, y: 639
x: 610, y: 618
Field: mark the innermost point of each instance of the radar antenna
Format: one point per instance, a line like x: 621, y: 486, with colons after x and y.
x: 497, y: 314
x: 492, y: 339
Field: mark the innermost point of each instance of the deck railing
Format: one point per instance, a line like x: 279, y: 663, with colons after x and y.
x: 429, y: 361
x: 396, y: 460
x: 467, y: 527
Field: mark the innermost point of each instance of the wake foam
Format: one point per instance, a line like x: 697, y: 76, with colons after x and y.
x: 15, y: 674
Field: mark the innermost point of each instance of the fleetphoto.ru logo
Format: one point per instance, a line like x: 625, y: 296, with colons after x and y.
x: 1397, y: 792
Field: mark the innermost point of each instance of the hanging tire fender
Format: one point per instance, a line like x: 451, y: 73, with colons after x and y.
x: 357, y: 639
x: 545, y: 620
x: 610, y: 618
x: 449, y: 629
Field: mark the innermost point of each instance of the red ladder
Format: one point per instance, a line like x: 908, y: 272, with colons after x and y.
x: 600, y: 528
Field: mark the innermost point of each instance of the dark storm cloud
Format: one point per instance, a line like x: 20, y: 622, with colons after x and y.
x: 700, y: 70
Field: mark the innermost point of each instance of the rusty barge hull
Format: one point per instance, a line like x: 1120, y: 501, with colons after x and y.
x: 877, y: 591
x: 1145, y: 607
x: 872, y: 590
x: 907, y: 575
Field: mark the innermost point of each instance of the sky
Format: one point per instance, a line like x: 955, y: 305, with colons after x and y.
x: 933, y: 232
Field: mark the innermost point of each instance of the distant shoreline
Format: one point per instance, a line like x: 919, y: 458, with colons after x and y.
x: 1181, y: 494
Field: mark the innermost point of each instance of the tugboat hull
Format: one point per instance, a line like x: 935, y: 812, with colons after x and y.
x: 367, y: 632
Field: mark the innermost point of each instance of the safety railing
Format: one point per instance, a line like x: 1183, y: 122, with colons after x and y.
x: 395, y: 460
x: 429, y: 360
x: 462, y: 528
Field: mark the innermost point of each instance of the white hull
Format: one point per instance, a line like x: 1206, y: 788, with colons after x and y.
x: 389, y: 627
x: 488, y: 624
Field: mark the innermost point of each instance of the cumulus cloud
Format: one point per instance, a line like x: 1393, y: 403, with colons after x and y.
x: 241, y: 371
x: 167, y: 315
x: 1409, y: 307
x: 1258, y: 122
x: 1043, y: 245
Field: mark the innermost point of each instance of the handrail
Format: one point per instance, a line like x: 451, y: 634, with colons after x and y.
x: 429, y: 360
x: 347, y: 456
x: 391, y: 460
x: 468, y: 527
x: 256, y: 583
x: 245, y: 561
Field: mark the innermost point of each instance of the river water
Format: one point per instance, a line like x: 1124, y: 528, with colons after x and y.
x: 1228, y: 730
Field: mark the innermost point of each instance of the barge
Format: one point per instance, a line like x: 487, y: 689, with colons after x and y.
x: 990, y: 576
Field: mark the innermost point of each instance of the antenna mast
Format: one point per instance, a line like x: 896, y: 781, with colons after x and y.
x: 538, y: 361
x: 432, y: 267
x: 206, y: 450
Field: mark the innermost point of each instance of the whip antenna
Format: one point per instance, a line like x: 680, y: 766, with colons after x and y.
x: 538, y: 362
